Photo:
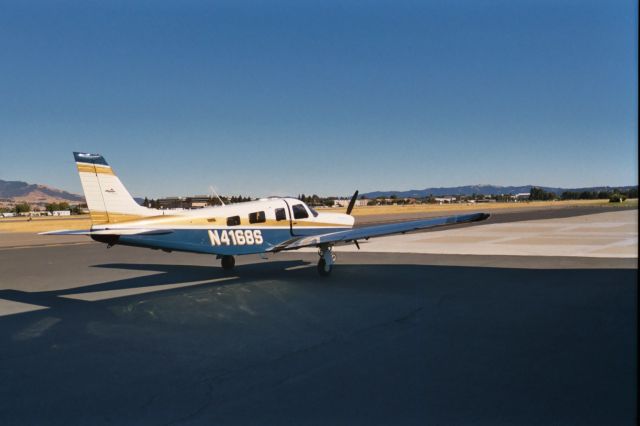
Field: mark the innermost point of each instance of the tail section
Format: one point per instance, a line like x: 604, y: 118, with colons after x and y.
x: 107, y: 198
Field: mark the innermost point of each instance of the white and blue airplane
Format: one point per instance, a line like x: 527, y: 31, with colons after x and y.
x: 268, y: 225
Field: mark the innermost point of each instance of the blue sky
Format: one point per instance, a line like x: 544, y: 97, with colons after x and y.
x: 265, y: 98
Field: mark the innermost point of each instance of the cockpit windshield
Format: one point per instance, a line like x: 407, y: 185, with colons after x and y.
x: 313, y: 212
x: 299, y: 212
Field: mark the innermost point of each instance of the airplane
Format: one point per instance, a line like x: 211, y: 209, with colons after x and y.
x: 266, y: 226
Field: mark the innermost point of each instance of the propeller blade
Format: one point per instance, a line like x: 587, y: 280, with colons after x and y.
x: 352, y: 202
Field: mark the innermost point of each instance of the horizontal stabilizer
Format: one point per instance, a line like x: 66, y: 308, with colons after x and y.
x: 66, y: 232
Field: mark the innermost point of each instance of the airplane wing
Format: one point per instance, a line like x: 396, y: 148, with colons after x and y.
x: 377, y: 231
x: 130, y: 231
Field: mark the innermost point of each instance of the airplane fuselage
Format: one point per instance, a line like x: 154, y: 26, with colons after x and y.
x: 235, y: 229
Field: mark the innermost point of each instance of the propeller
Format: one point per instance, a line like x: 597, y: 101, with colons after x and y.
x: 352, y: 202
x: 349, y: 208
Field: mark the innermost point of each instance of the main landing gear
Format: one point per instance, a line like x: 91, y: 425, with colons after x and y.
x: 327, y: 259
x: 228, y: 262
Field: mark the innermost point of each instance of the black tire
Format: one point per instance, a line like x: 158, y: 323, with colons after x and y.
x: 322, y: 270
x: 228, y: 262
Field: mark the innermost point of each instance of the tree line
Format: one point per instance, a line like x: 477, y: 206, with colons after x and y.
x: 314, y: 200
x: 211, y: 201
x: 20, y: 208
x: 615, y: 195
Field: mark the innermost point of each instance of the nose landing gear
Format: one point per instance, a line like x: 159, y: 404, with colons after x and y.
x: 327, y: 259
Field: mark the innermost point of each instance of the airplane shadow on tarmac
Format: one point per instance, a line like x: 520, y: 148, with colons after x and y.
x: 372, y: 344
x: 166, y: 275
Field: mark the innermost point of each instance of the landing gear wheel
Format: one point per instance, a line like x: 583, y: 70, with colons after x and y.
x: 324, y: 269
x: 327, y: 259
x: 228, y: 262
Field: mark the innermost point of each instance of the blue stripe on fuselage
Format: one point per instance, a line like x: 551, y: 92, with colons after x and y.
x: 198, y: 241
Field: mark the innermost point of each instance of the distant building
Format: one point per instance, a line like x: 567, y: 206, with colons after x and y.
x: 445, y: 200
x: 198, y: 201
x: 171, y: 202
x: 345, y: 203
x: 61, y: 213
x: 195, y: 202
x: 522, y: 196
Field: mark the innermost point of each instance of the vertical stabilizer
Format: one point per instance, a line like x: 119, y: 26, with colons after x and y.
x: 107, y: 198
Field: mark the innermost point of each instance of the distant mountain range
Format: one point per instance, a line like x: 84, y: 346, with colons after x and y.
x: 33, y: 193
x: 483, y: 190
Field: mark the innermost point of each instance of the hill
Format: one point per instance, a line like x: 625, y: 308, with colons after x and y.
x: 34, y: 193
x: 482, y: 189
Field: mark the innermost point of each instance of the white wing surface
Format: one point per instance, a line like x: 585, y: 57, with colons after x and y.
x: 377, y: 231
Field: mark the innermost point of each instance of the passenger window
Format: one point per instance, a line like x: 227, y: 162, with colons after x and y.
x: 233, y: 221
x: 257, y: 217
x: 280, y: 214
x: 299, y: 212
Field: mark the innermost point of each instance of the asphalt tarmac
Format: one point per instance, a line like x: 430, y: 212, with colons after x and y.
x: 135, y: 336
x: 504, y: 215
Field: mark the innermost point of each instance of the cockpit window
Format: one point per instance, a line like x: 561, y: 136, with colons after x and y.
x: 233, y: 221
x: 299, y: 212
x: 313, y: 212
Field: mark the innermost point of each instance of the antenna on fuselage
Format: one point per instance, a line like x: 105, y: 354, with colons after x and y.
x: 216, y: 194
